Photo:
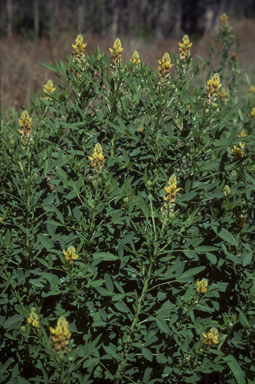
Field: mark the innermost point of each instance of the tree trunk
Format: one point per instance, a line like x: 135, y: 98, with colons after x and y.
x: 103, y: 18
x: 80, y: 16
x: 9, y: 17
x: 36, y: 20
x: 115, y: 18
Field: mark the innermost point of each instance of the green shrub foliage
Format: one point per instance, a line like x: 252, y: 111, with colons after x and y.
x: 127, y: 223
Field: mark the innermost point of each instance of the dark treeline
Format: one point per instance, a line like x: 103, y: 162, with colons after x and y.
x: 146, y: 18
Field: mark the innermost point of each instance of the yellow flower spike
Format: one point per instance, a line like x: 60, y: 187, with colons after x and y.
x: 226, y: 190
x: 70, y: 255
x: 165, y: 66
x: 61, y: 335
x: 212, y: 337
x: 252, y: 114
x: 223, y: 94
x: 213, y: 85
x: 242, y: 134
x: 252, y: 89
x: 184, y: 47
x: 33, y: 318
x: 241, y: 221
x: 48, y: 89
x: 201, y: 286
x: 79, y: 47
x: 238, y: 152
x: 25, y: 120
x: 97, y: 159
x: 135, y: 60
x: 224, y: 19
x: 25, y: 124
x: 116, y: 52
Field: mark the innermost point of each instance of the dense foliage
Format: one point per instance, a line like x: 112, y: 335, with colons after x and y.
x: 127, y: 223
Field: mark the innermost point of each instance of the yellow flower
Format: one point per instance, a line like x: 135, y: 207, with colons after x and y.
x: 61, y: 334
x: 79, y: 47
x: 241, y: 221
x: 184, y: 47
x: 213, y: 85
x: 135, y: 60
x: 252, y: 114
x: 25, y: 120
x: 97, y: 159
x: 70, y: 255
x: 33, y: 318
x: 212, y: 337
x: 224, y: 19
x: 226, y: 190
x: 223, y: 94
x: 48, y: 89
x: 238, y: 152
x: 201, y: 286
x: 242, y: 133
x: 171, y: 190
x: 165, y: 66
x: 116, y: 52
x: 252, y: 89
x: 25, y: 124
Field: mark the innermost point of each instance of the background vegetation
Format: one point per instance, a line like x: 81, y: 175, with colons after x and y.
x: 127, y: 220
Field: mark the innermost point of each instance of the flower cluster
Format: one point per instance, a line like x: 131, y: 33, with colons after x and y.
x: 33, y: 318
x: 201, y: 286
x: 252, y: 89
x: 252, y: 114
x: 213, y: 86
x: 169, y: 200
x: 61, y: 335
x: 48, y: 89
x: 234, y: 56
x: 241, y: 221
x: 25, y: 124
x: 135, y: 60
x: 237, y: 150
x: 223, y: 94
x: 226, y: 190
x: 224, y: 19
x: 70, y: 255
x: 79, y: 54
x: 116, y: 52
x: 79, y: 48
x: 212, y: 337
x: 184, y: 47
x: 97, y: 159
x: 165, y: 66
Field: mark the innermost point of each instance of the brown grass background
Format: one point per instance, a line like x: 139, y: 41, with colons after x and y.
x: 22, y: 69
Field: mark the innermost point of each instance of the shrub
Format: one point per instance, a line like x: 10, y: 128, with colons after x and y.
x: 127, y: 224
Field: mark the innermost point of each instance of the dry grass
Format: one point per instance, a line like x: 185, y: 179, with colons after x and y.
x: 22, y: 69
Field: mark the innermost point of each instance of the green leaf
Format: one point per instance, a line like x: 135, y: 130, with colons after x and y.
x: 227, y: 236
x: 147, y: 354
x: 6, y: 364
x: 163, y: 325
x: 191, y: 272
x: 44, y: 262
x: 120, y: 306
x: 105, y: 255
x: 247, y: 258
x: 235, y: 368
x: 243, y: 319
x: 46, y: 241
